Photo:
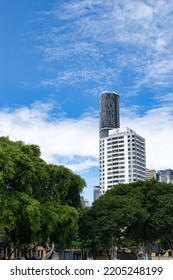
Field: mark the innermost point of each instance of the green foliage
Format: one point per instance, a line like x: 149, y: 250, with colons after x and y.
x: 20, y: 217
x: 156, y: 198
x: 37, y: 200
x: 128, y: 215
x: 65, y: 185
x: 106, y: 222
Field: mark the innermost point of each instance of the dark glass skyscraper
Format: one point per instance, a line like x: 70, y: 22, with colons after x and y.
x: 109, y: 112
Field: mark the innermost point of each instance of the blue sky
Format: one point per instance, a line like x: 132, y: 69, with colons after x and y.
x: 57, y: 56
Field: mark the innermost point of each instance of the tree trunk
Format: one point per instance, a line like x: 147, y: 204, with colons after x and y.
x: 148, y: 249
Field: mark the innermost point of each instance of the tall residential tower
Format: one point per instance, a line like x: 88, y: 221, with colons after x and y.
x: 122, y: 151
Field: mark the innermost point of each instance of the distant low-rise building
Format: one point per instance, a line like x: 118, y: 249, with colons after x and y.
x: 85, y: 202
x: 165, y: 175
x: 150, y: 174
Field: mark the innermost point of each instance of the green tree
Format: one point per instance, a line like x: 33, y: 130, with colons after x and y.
x: 65, y: 186
x: 20, y: 218
x: 88, y: 234
x: 130, y: 216
x: 37, y: 200
x: 104, y: 225
x: 157, y: 200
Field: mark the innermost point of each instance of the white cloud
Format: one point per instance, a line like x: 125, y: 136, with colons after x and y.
x: 168, y: 97
x: 74, y: 142
x: 82, y: 165
x: 97, y: 41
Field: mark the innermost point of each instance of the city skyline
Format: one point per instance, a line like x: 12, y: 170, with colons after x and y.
x: 58, y: 56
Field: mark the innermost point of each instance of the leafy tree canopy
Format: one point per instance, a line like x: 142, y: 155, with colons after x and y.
x: 37, y: 200
x: 136, y: 213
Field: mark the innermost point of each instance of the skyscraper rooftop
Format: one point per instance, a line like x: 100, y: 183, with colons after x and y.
x: 109, y: 112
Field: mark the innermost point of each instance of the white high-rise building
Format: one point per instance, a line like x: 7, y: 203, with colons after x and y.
x: 122, y: 158
x: 122, y: 151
